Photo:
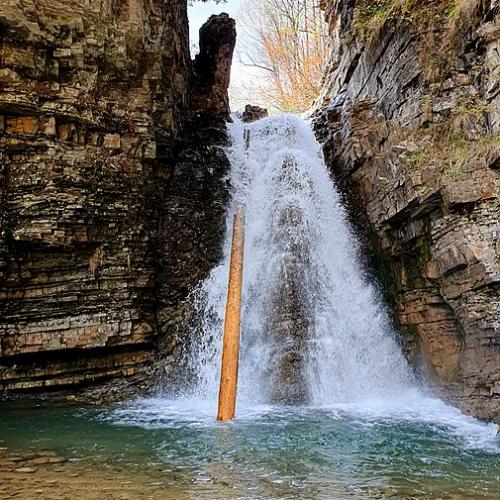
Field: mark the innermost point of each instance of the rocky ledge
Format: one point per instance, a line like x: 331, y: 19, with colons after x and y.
x: 410, y: 123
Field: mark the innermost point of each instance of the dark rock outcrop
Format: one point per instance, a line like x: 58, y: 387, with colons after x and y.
x: 410, y: 123
x: 253, y: 113
x: 212, y: 66
x: 101, y: 160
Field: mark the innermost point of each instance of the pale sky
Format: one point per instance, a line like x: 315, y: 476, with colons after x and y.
x: 199, y: 12
x: 244, y: 80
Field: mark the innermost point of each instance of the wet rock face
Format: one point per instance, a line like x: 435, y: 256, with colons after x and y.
x: 102, y: 163
x: 290, y: 328
x: 417, y: 159
x: 288, y: 320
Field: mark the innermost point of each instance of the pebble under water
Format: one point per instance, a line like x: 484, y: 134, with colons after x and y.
x: 417, y: 447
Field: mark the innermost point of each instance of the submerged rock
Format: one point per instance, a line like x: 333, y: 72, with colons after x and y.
x: 26, y: 470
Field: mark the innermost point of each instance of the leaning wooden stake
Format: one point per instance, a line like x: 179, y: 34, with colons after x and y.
x: 231, y: 345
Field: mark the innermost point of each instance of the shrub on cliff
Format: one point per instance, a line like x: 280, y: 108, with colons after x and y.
x: 442, y: 25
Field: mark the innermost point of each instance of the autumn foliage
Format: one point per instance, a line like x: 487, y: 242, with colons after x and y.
x: 288, y: 40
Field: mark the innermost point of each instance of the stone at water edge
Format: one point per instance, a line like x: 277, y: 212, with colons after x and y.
x: 39, y: 461
x: 26, y: 470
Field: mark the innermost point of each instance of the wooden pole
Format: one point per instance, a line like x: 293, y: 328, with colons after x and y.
x: 231, y: 343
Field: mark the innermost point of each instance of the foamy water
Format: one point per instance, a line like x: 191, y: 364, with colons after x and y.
x: 297, y: 236
x: 354, y: 367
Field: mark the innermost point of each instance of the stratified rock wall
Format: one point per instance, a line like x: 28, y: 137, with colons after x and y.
x: 410, y: 123
x: 99, y: 154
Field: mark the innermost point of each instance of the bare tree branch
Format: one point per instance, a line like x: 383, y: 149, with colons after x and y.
x: 288, y: 39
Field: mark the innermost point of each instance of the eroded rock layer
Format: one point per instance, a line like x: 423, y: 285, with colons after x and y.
x: 100, y: 158
x: 410, y: 123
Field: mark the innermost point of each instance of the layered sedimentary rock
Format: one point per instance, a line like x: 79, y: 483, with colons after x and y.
x: 100, y: 159
x: 410, y: 123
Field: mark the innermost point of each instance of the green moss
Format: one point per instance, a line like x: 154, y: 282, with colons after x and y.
x: 371, y: 15
x: 417, y: 159
x: 473, y: 109
x: 450, y: 173
x: 440, y: 24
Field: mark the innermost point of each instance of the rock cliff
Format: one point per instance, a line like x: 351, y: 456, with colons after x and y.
x: 110, y: 140
x: 410, y: 122
x: 101, y: 164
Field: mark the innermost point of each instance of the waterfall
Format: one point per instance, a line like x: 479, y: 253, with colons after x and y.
x: 327, y: 406
x: 314, y: 329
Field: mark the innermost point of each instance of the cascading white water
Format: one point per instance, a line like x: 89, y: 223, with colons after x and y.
x: 314, y: 331
x: 307, y: 304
